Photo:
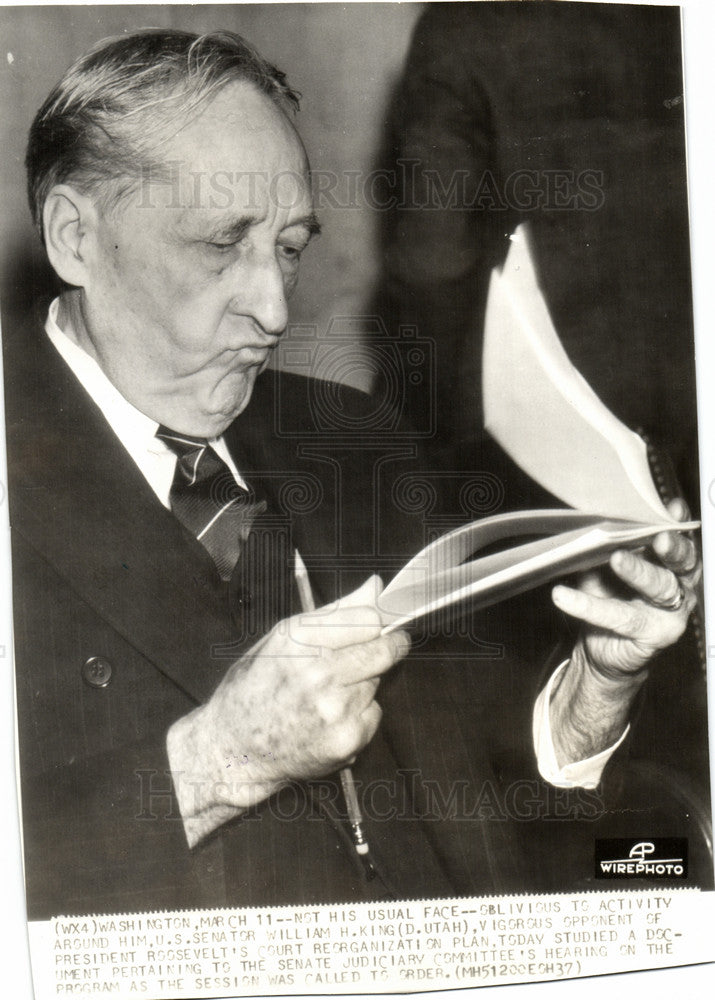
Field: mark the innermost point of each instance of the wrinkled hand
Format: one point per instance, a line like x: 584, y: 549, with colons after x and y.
x: 622, y: 633
x: 298, y: 705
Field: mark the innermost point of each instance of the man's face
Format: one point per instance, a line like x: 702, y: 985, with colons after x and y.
x: 188, y: 282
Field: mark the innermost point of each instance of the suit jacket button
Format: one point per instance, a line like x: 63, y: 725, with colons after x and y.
x: 243, y: 599
x: 97, y: 671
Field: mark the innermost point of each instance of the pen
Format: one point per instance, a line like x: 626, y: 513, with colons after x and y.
x: 362, y: 848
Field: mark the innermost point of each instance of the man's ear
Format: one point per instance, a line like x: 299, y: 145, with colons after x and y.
x: 69, y: 221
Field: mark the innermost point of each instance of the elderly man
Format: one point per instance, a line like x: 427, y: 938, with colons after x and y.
x: 181, y: 723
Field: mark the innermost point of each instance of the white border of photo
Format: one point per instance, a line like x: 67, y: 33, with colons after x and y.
x: 699, y: 30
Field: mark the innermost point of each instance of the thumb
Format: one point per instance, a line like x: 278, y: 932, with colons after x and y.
x: 365, y: 595
x: 352, y: 619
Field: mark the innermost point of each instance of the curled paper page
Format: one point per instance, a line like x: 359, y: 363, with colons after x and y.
x: 545, y: 415
x: 450, y: 569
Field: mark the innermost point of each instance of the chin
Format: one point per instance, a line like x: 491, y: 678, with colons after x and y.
x: 221, y: 413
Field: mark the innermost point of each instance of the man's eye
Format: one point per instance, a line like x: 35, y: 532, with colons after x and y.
x: 290, y: 253
x: 221, y: 247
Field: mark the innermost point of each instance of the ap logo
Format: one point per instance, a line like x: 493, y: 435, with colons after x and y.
x: 642, y: 848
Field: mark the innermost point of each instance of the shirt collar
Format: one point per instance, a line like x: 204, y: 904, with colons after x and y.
x: 129, y: 423
x: 135, y: 430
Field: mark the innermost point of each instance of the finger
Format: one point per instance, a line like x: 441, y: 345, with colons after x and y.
x: 366, y: 593
x: 340, y: 705
x: 627, y: 619
x: 676, y: 551
x: 593, y: 583
x: 336, y: 626
x: 370, y: 720
x: 372, y: 659
x: 347, y: 739
x: 679, y: 509
x: 362, y: 694
x: 655, y: 583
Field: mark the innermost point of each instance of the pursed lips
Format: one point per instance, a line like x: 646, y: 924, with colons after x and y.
x: 251, y: 353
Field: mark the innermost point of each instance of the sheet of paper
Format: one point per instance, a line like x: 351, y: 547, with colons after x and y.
x: 545, y: 415
x: 438, y: 578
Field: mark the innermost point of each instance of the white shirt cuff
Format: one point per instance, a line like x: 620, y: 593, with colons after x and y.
x: 582, y: 773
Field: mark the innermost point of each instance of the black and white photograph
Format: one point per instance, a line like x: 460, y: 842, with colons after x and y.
x: 354, y: 495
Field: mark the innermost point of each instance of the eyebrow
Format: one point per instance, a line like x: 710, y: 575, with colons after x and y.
x: 237, y: 229
x: 231, y: 231
x: 311, y: 223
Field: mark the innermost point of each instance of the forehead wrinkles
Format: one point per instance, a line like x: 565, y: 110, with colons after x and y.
x: 242, y: 154
x: 241, y: 126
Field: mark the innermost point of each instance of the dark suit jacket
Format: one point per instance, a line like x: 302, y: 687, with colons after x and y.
x: 101, y: 569
x: 449, y: 789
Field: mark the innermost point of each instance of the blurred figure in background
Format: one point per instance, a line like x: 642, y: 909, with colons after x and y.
x: 569, y: 115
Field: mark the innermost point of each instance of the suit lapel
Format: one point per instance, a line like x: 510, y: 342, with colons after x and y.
x: 80, y: 500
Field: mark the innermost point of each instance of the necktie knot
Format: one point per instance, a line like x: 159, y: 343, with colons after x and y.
x: 181, y: 444
x: 207, y: 500
x: 200, y: 472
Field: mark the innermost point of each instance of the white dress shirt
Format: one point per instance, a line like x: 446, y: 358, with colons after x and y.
x: 582, y: 773
x: 157, y: 462
x: 137, y: 432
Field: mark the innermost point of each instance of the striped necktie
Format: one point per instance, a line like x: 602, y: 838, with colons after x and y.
x: 208, y: 501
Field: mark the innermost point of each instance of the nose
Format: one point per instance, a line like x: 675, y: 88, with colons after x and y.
x: 261, y: 293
